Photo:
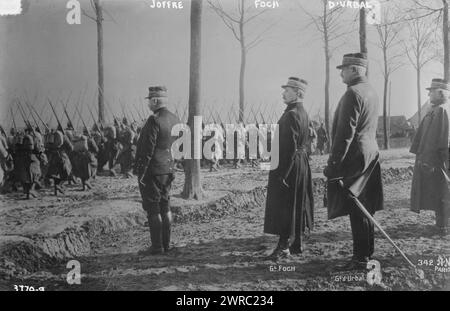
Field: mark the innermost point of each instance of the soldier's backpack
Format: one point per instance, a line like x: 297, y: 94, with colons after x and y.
x: 80, y: 143
x: 126, y: 136
x: 18, y: 139
x: 110, y: 132
x: 55, y: 139
x: 28, y: 142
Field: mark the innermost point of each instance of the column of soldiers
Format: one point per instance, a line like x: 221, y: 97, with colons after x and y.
x: 31, y: 160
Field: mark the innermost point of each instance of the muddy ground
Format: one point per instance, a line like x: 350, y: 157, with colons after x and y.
x: 219, y: 243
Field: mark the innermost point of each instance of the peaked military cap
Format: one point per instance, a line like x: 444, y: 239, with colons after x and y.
x: 439, y: 84
x: 355, y: 59
x: 157, y: 91
x: 295, y: 82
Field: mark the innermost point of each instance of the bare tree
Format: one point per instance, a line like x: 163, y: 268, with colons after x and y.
x: 418, y: 49
x: 98, y: 19
x: 389, y: 43
x: 237, y: 22
x: 330, y: 26
x: 446, y: 41
x: 192, y: 183
x: 430, y: 8
x: 362, y: 30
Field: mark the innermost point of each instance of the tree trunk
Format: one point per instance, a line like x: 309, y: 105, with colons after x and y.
x: 363, y: 33
x: 385, y: 90
x: 327, y: 77
x: 419, y: 95
x: 243, y: 62
x: 101, y: 103
x: 192, y: 183
x: 446, y: 42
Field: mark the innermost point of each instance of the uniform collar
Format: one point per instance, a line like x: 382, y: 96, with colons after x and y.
x: 293, y: 105
x: 160, y: 109
x: 357, y: 81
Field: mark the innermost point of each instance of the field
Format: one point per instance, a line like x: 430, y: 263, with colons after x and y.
x: 219, y: 241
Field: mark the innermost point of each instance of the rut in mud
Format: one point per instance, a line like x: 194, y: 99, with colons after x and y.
x: 223, y: 248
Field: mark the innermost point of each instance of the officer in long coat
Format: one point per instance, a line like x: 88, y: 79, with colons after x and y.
x: 154, y: 168
x: 290, y: 203
x: 430, y: 186
x: 354, y: 157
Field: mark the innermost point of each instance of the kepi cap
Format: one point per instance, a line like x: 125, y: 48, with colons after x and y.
x: 157, y: 91
x: 439, y: 84
x: 355, y: 59
x: 295, y: 82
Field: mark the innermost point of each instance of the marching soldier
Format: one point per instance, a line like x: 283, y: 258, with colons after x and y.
x: 154, y: 168
x: 290, y: 202
x: 128, y: 152
x: 4, y: 156
x: 312, y: 140
x: 430, y: 186
x: 322, y: 139
x: 28, y: 163
x: 60, y: 168
x: 354, y: 158
x: 84, y: 159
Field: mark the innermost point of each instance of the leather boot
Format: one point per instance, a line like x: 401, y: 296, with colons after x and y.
x: 166, y: 228
x: 155, y: 223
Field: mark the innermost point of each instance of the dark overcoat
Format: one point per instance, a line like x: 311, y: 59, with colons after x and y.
x: 155, y: 143
x: 85, y: 162
x: 59, y: 165
x: 354, y: 152
x: 430, y: 186
x: 290, y: 202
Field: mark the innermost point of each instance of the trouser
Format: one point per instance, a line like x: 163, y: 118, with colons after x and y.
x: 442, y: 216
x: 363, y: 235
x: 156, y: 202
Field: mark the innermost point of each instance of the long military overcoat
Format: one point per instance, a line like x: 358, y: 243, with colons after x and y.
x: 354, y: 153
x: 290, y: 202
x: 430, y: 187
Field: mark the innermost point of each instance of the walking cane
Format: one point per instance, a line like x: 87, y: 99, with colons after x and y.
x: 361, y: 207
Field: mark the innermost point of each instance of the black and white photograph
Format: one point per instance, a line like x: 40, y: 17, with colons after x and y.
x: 236, y: 148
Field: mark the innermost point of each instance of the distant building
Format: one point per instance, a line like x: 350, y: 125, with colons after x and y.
x: 414, y: 120
x: 399, y: 126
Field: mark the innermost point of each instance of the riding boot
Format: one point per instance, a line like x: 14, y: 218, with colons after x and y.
x: 155, y: 223
x: 166, y: 228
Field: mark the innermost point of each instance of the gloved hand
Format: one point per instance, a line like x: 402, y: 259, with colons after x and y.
x: 327, y: 172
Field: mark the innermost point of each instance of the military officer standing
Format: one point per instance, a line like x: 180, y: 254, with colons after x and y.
x: 154, y: 168
x: 354, y: 157
x: 290, y: 202
x: 430, y: 186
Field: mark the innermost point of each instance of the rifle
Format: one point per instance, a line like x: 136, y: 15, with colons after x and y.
x: 254, y: 115
x: 67, y: 116
x: 32, y: 115
x: 14, y: 121
x: 211, y: 115
x: 95, y: 122
x: 110, y: 110
x: 25, y: 120
x: 137, y: 111
x: 56, y: 116
x: 82, y: 120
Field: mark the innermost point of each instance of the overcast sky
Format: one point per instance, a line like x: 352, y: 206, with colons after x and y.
x: 43, y: 56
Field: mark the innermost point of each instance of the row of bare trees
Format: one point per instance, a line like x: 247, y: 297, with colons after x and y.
x: 418, y: 49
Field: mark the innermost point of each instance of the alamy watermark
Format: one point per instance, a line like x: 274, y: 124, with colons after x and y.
x: 236, y: 138
x: 372, y: 7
